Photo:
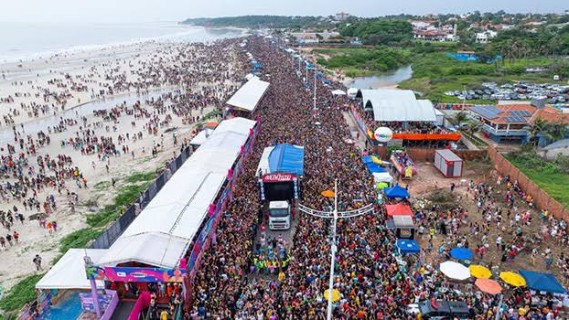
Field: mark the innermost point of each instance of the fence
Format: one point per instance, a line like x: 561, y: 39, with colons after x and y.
x: 108, y: 237
x: 542, y: 200
x: 420, y: 154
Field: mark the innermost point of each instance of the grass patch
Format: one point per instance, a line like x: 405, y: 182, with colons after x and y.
x: 102, y: 185
x: 22, y: 293
x: 551, y: 176
x: 363, y: 61
x: 141, y: 176
x: 78, y: 239
x: 474, y: 139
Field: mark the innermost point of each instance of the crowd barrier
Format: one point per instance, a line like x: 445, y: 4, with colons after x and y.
x: 108, y: 237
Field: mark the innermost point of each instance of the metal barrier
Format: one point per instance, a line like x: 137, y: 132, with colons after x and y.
x: 108, y: 237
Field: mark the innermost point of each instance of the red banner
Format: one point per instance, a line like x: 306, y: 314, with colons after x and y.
x: 278, y: 177
x: 427, y: 136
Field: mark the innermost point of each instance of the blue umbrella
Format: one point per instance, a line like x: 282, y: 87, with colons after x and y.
x: 461, y: 254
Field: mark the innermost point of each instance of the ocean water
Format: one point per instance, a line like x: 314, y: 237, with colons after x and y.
x: 25, y: 41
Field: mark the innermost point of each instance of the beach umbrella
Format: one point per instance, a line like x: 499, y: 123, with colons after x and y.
x: 513, y: 279
x: 454, y: 270
x: 488, y: 285
x: 328, y: 193
x: 335, y: 295
x: 461, y: 253
x: 479, y: 271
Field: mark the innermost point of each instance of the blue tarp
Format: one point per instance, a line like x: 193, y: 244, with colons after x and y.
x: 540, y: 281
x: 408, y: 246
x: 396, y: 192
x: 374, y: 167
x: 367, y: 159
x: 461, y: 254
x: 287, y: 158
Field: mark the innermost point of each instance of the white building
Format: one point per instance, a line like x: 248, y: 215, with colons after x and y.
x: 486, y: 36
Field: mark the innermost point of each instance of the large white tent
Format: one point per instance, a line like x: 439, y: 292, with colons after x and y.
x: 69, y: 271
x: 162, y: 232
x: 249, y: 95
x: 398, y: 105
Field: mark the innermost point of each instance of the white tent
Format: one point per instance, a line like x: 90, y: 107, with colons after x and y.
x: 69, y: 271
x: 338, y: 93
x: 455, y: 270
x: 249, y: 95
x: 352, y: 92
x: 398, y: 105
x: 263, y: 166
x: 382, y: 177
x: 162, y: 232
x: 201, y: 137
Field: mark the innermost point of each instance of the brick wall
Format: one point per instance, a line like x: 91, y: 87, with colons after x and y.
x: 541, y: 198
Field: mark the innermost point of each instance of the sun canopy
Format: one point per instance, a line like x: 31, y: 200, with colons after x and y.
x: 367, y: 159
x: 455, y: 270
x: 489, y: 286
x: 287, y: 158
x: 162, y: 232
x: 408, y: 246
x: 69, y: 271
x: 540, y: 281
x: 398, y: 210
x: 382, y: 177
x: 338, y: 93
x: 396, y: 192
x: 461, y: 253
x: 374, y: 167
x: 201, y: 137
x: 398, y: 105
x: 249, y: 95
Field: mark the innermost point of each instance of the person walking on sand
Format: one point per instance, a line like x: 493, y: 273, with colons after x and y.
x: 37, y: 262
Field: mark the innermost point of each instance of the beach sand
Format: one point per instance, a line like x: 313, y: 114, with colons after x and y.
x: 97, y: 70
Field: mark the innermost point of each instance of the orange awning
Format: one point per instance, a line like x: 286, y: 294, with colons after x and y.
x: 427, y: 136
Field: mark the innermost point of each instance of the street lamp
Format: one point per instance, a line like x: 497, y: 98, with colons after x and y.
x: 334, y: 215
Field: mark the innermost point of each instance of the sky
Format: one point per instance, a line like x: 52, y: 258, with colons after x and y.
x: 114, y: 11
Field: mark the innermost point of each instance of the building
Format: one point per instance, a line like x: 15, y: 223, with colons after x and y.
x: 341, y: 16
x: 486, y: 36
x: 504, y: 122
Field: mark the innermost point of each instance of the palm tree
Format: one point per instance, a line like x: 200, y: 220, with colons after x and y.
x: 555, y: 131
x: 460, y: 117
x: 537, y: 129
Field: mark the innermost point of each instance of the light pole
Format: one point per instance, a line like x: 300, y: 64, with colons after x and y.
x: 334, y: 215
x: 314, y: 103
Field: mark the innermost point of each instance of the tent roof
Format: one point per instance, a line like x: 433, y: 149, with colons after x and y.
x: 162, y: 232
x: 338, y: 93
x: 399, y: 209
x: 408, y: 246
x: 367, y: 159
x: 540, y: 281
x: 249, y: 95
x: 403, y: 221
x: 448, y: 155
x: 287, y: 158
x: 374, y: 167
x: 398, y: 105
x: 69, y: 271
x: 263, y: 166
x: 382, y: 177
x: 396, y: 192
x: 201, y: 137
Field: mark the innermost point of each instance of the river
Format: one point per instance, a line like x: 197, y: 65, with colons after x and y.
x: 387, y: 79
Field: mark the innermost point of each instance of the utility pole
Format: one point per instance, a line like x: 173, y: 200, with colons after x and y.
x: 334, y: 215
x: 314, y: 103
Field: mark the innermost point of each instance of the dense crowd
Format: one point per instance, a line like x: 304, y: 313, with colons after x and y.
x: 241, y: 279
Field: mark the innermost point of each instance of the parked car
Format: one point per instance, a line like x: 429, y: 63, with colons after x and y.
x: 439, y: 310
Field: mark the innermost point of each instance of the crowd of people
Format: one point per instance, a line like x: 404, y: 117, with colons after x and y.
x: 241, y: 279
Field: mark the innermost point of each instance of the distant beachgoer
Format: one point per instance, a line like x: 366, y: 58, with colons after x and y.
x: 37, y: 262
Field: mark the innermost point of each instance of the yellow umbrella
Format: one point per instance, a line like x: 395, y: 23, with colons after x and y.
x: 328, y: 193
x: 480, y: 272
x: 381, y: 185
x: 513, y: 279
x: 335, y: 295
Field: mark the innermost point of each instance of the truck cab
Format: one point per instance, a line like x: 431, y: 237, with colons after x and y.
x: 279, y: 215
